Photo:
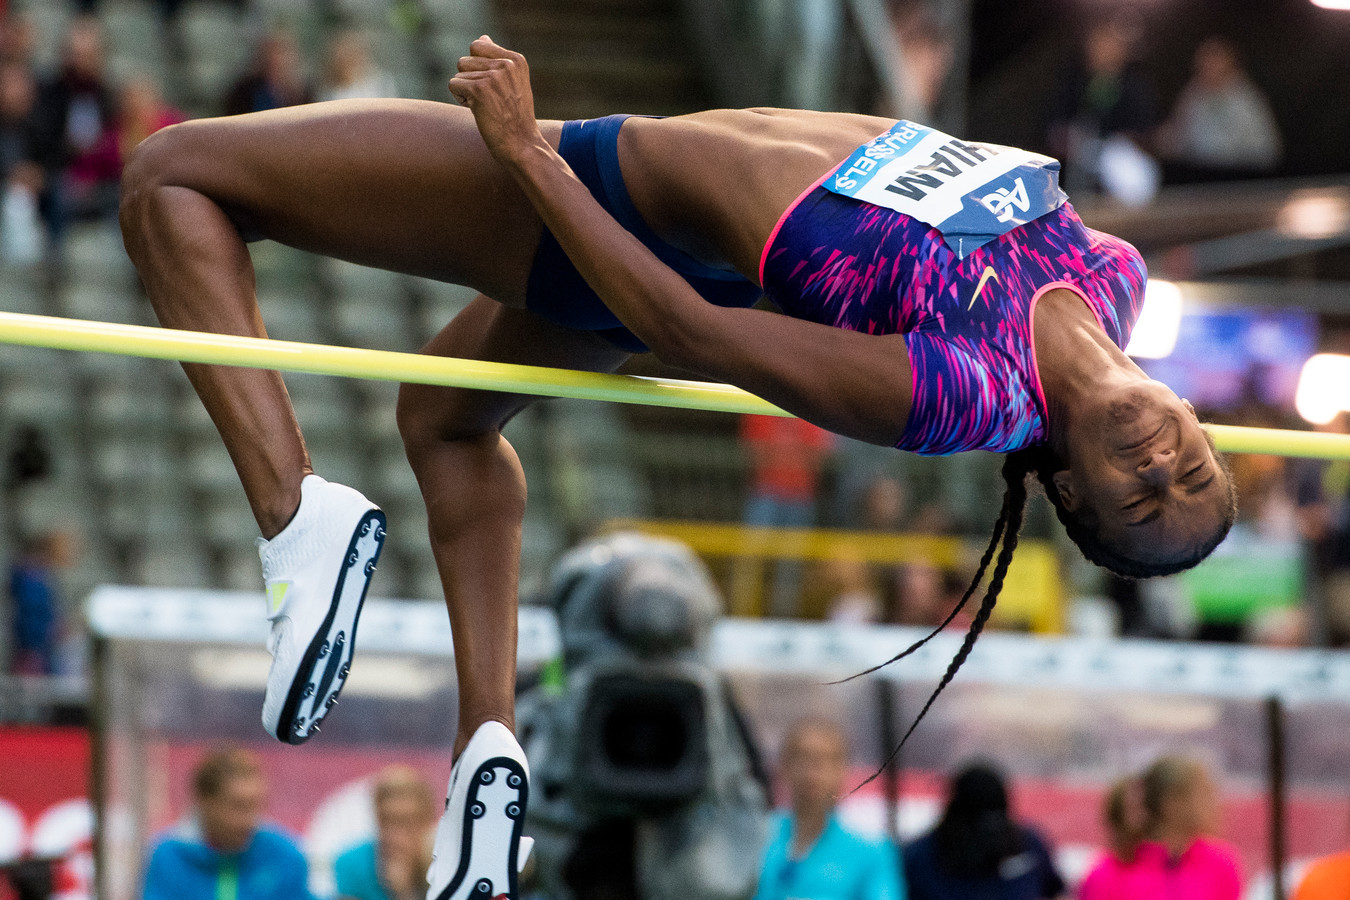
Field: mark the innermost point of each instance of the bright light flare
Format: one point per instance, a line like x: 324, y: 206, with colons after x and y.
x: 1155, y: 334
x: 1332, y: 4
x: 1314, y: 215
x: 1323, y: 388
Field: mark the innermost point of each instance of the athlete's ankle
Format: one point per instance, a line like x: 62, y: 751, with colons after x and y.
x: 280, y: 509
x: 469, y: 724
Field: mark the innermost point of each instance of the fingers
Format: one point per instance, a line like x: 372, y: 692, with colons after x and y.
x: 495, y: 83
x: 463, y: 87
x: 486, y: 62
x: 482, y: 63
x: 490, y: 49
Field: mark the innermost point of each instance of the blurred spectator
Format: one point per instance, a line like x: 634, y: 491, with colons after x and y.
x: 350, y: 72
x: 1222, y: 125
x: 141, y: 111
x: 1279, y: 626
x: 924, y: 595
x: 1326, y: 879
x: 1322, y: 494
x: 36, y: 617
x: 852, y: 596
x: 20, y: 172
x: 977, y: 851
x: 74, y: 107
x: 95, y: 176
x: 18, y: 39
x: 925, y: 56
x: 810, y: 853
x: 885, y: 501
x: 224, y: 850
x: 887, y: 505
x: 1121, y: 874
x: 1104, y: 114
x: 30, y: 459
x: 275, y: 79
x: 1181, y: 802
x: 394, y: 865
x: 787, y: 456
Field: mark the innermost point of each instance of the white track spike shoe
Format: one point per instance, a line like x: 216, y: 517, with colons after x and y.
x: 317, y: 571
x: 479, y: 849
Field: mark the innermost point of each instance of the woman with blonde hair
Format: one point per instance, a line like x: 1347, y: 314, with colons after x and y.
x: 1163, y: 828
x: 1181, y: 802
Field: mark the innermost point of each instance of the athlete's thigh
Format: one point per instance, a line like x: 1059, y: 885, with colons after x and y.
x: 487, y: 330
x: 406, y: 185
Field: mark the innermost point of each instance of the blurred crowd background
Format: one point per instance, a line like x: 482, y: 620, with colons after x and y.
x: 1212, y: 134
x: 1169, y: 116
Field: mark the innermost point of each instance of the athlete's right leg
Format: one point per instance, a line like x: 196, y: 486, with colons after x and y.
x: 401, y: 185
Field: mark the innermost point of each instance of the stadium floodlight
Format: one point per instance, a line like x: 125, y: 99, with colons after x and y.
x: 1155, y: 334
x: 1323, y: 388
x: 1316, y: 215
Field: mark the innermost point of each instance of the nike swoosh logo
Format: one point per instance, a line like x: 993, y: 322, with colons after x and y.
x: 984, y: 279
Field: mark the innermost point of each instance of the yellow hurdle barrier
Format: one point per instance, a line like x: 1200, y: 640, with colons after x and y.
x: 384, y: 365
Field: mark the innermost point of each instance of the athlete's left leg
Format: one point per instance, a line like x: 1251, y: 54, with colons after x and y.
x: 474, y: 489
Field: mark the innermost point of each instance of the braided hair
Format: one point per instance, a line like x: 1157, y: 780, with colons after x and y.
x: 1082, y: 530
x: 1003, y: 542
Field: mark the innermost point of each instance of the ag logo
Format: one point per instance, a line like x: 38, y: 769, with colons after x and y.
x: 1005, y: 203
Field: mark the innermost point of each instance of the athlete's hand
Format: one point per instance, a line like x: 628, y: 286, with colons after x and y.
x: 494, y: 83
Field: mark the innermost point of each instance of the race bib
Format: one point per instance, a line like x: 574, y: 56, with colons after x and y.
x: 970, y: 192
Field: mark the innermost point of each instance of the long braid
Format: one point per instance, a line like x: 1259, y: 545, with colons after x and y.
x: 1009, y: 524
x: 974, y: 583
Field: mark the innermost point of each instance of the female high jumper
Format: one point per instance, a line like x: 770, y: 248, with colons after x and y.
x: 938, y: 296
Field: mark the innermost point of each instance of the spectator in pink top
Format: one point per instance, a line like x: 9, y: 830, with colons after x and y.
x: 1119, y: 875
x: 1180, y: 857
x: 140, y: 111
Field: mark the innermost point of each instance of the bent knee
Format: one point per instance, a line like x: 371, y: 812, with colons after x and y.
x: 154, y: 163
x: 430, y: 416
x: 158, y: 162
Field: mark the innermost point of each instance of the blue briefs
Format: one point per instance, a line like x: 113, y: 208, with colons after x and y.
x: 556, y: 290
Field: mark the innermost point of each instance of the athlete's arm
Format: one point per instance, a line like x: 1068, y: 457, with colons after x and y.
x: 853, y: 384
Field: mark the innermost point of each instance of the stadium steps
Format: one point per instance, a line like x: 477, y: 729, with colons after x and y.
x: 595, y: 57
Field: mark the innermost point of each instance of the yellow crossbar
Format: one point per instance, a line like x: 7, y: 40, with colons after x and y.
x: 384, y: 365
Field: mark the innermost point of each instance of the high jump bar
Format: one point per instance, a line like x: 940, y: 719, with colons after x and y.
x: 386, y: 365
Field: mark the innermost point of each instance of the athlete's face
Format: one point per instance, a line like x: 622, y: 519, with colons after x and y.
x: 1145, y: 470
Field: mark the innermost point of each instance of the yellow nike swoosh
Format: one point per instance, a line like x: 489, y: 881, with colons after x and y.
x: 984, y: 278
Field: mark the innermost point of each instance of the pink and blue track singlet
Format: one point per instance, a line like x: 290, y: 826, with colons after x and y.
x: 967, y: 321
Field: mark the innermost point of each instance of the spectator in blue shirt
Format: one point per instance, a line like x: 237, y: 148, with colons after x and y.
x: 223, y: 852
x: 36, y: 603
x: 394, y: 865
x: 811, y: 855
x: 977, y: 852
